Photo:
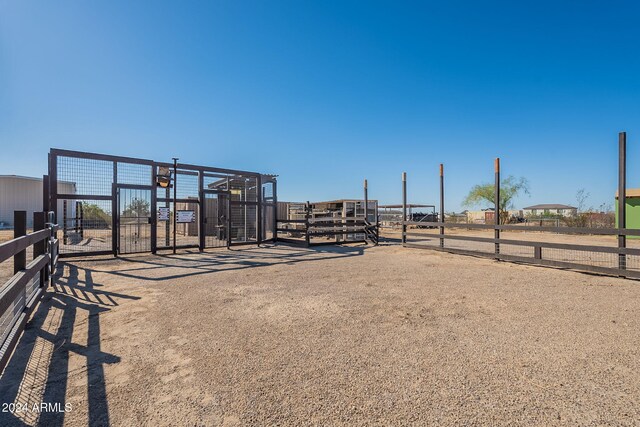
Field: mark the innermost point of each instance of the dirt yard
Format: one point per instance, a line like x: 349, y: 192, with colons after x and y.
x: 355, y: 335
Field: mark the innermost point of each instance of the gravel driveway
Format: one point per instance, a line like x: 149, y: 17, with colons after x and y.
x: 354, y: 335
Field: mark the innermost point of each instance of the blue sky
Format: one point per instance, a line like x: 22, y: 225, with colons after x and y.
x: 328, y: 93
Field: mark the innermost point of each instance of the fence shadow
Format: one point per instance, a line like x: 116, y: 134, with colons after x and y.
x: 38, y: 372
x: 217, y: 260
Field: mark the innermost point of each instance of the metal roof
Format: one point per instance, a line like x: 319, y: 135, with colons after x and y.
x: 409, y: 205
x: 22, y: 177
x: 631, y: 193
x: 550, y: 206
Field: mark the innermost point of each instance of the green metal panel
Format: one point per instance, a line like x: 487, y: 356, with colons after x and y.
x: 633, y: 214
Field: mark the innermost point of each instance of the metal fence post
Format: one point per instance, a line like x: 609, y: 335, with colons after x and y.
x: 622, y: 197
x: 80, y: 204
x: 404, y: 208
x: 259, y: 210
x: 202, y: 211
x: 40, y: 248
x: 175, y: 209
x: 307, y: 213
x: 275, y: 211
x: 496, y: 213
x: 366, y: 201
x: 115, y: 214
x: 19, y: 230
x: 442, y: 204
x: 537, y: 252
x: 45, y: 193
x: 154, y: 208
x: 76, y: 224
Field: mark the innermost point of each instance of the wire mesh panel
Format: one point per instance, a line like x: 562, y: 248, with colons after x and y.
x: 134, y: 222
x: 134, y: 174
x: 85, y: 225
x: 215, y: 182
x: 187, y: 186
x: 243, y: 223
x: 84, y: 176
x: 11, y: 314
x: 187, y: 233
x: 164, y: 225
x: 268, y: 223
x: 243, y: 189
x: 90, y: 194
x: 268, y: 192
x: 216, y: 215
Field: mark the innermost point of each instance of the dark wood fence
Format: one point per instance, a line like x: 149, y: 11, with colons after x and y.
x: 621, y: 261
x: 304, y: 231
x: 21, y: 293
x: 580, y: 248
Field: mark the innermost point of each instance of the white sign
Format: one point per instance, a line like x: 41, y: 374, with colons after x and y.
x: 185, y: 216
x: 163, y: 214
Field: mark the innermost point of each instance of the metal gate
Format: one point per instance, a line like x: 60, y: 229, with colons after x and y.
x: 112, y: 204
x: 134, y: 219
x: 215, y: 218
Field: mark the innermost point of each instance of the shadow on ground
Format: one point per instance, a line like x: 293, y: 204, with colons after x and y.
x: 196, y: 263
x: 38, y: 372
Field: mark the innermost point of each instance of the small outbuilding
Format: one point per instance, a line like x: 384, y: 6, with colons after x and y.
x: 23, y: 193
x: 632, y: 210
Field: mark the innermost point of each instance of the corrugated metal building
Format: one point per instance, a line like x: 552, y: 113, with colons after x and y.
x: 22, y: 193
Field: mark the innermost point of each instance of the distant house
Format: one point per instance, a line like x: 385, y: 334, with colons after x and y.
x: 487, y: 216
x: 550, y: 209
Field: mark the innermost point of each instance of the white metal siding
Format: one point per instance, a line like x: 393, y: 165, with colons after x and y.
x: 19, y: 193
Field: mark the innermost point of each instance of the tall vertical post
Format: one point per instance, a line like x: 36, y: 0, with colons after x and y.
x: 307, y: 214
x: 175, y: 197
x: 366, y: 201
x: 53, y: 186
x: 81, y: 220
x: 45, y: 193
x: 65, y: 235
x: 202, y: 211
x: 115, y: 212
x: 76, y: 225
x: 167, y: 223
x: 497, y: 206
x: 19, y: 230
x: 154, y: 208
x: 228, y: 208
x: 40, y: 248
x: 275, y: 211
x: 622, y: 197
x: 404, y: 208
x: 441, y: 204
x: 259, y: 209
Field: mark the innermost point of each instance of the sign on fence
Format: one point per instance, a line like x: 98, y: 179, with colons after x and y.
x: 163, y: 214
x: 185, y: 216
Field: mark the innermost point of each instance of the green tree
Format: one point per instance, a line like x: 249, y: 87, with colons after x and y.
x: 94, y: 216
x: 137, y: 208
x: 484, y: 194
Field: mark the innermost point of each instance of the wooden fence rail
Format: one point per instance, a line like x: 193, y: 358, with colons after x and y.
x: 306, y: 229
x: 21, y: 293
x: 567, y: 254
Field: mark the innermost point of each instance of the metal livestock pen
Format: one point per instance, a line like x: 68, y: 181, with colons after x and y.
x: 119, y: 205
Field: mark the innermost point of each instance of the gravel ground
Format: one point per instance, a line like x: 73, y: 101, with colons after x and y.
x: 356, y: 335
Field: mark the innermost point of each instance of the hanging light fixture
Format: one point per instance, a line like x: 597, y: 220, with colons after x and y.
x: 163, y: 178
